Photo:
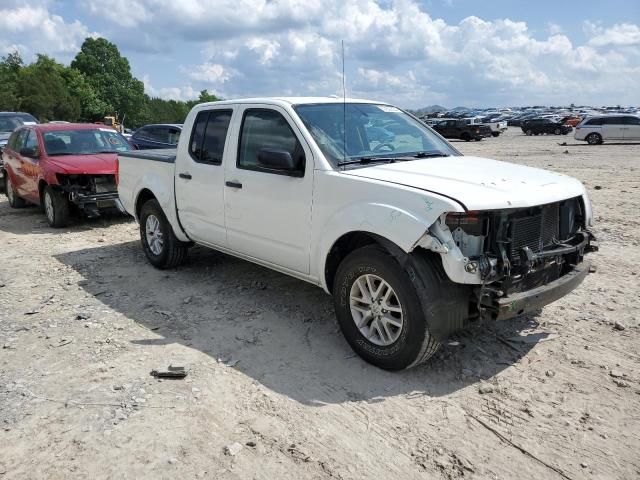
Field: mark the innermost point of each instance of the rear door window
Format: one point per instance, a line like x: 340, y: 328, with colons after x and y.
x: 614, y: 121
x: 209, y: 136
x: 595, y: 122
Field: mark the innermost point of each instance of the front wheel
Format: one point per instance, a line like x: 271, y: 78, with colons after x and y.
x: 56, y: 207
x: 466, y: 137
x: 557, y: 131
x: 161, y: 246
x: 529, y: 132
x: 495, y: 134
x: 382, y: 312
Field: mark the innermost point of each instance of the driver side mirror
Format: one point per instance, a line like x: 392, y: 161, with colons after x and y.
x: 29, y: 152
x: 280, y: 160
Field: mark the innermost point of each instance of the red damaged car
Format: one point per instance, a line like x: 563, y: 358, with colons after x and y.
x: 63, y: 166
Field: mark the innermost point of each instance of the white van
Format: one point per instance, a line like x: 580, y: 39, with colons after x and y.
x: 597, y: 129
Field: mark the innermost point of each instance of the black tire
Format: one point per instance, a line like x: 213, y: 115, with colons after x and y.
x: 529, y: 132
x: 56, y: 207
x: 427, y: 300
x: 495, y: 134
x: 466, y: 137
x: 171, y: 252
x: 557, y: 131
x: 14, y: 200
x: 594, y: 139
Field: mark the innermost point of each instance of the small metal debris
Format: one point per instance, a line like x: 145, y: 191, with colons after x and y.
x: 616, y: 374
x: 619, y: 325
x: 170, y: 372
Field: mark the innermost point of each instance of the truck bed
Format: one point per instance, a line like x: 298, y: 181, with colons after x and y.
x: 167, y: 155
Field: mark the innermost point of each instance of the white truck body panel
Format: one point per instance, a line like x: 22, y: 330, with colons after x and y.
x: 291, y: 223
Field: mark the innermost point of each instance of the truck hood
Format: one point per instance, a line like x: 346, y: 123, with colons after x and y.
x: 97, y: 164
x: 478, y: 183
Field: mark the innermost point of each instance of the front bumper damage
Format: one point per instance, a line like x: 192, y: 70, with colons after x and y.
x: 91, y: 193
x: 516, y: 304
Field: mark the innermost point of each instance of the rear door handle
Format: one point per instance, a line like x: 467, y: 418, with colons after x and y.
x: 233, y: 184
x: 186, y: 176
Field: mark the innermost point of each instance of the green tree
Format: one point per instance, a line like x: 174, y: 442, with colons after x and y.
x: 10, y: 67
x: 43, y: 91
x: 109, y: 74
x: 92, y: 108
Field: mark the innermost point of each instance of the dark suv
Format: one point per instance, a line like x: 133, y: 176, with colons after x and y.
x: 156, y: 136
x: 453, y: 128
x: 538, y: 126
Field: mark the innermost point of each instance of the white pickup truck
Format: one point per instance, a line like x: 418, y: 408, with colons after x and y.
x: 411, y: 238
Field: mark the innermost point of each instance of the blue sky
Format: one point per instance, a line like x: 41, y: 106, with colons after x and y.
x: 409, y: 52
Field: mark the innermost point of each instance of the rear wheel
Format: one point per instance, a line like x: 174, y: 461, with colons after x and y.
x: 557, y: 131
x: 56, y: 207
x: 466, y: 137
x: 381, y: 308
x: 529, y: 132
x: 594, y: 139
x: 495, y: 134
x: 14, y: 200
x: 161, y: 246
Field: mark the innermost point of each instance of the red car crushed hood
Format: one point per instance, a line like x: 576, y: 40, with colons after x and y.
x: 94, y: 164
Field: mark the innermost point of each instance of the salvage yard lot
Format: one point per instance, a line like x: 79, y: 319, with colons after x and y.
x: 84, y: 319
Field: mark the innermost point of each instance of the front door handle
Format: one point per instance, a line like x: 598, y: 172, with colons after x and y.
x: 233, y: 184
x: 186, y: 176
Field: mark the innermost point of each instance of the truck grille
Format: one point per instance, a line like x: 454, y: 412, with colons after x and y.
x: 535, y: 231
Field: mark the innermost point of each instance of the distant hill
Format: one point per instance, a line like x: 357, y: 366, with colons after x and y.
x: 430, y: 109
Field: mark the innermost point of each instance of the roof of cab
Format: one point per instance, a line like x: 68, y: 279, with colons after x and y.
x: 292, y: 101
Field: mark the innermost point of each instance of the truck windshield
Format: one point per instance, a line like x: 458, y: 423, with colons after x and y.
x: 348, y: 132
x: 84, y: 142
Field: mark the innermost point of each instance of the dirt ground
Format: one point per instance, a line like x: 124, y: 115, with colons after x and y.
x: 84, y: 319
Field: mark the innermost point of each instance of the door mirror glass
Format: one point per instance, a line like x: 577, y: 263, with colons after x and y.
x: 272, y: 158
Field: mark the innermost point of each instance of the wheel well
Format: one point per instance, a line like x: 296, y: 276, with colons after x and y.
x: 41, y: 186
x: 344, y: 246
x: 143, y: 197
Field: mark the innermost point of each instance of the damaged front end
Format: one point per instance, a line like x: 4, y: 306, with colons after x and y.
x: 91, y: 193
x: 518, y: 259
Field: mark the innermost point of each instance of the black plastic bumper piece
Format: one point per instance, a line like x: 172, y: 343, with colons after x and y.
x: 522, y: 302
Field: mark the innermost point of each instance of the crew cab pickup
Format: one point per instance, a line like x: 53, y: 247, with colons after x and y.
x: 459, y: 128
x: 58, y: 166
x: 411, y: 238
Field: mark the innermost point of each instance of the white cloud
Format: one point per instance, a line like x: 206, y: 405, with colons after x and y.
x: 625, y: 34
x: 34, y: 29
x: 395, y: 50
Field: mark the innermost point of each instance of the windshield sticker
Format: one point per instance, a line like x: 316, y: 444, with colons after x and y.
x: 114, y: 141
x: 389, y: 109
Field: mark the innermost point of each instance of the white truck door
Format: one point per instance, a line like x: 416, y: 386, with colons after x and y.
x: 199, y: 182
x: 268, y: 209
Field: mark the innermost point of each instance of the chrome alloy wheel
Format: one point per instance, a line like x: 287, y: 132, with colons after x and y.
x: 376, y: 310
x: 48, y: 206
x: 154, y: 234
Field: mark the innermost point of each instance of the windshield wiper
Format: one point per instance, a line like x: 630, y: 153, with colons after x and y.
x: 430, y: 154
x: 367, y: 160
x: 55, y: 154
